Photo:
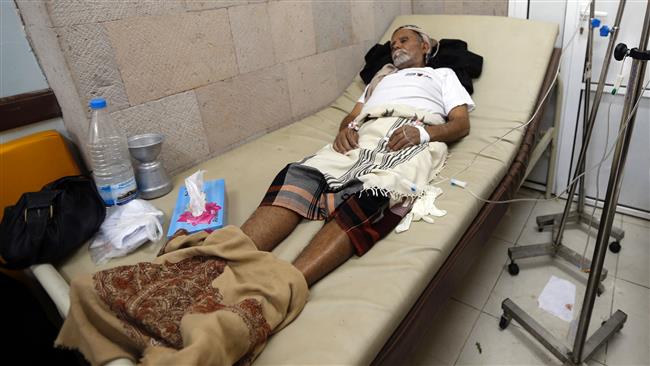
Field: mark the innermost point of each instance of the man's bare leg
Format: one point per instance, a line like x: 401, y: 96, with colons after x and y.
x: 269, y: 225
x: 329, y: 248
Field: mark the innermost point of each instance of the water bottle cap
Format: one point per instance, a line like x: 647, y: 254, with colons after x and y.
x: 97, y: 103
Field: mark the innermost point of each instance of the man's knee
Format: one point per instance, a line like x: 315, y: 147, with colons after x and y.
x: 263, y: 215
x: 269, y: 225
x: 332, y: 231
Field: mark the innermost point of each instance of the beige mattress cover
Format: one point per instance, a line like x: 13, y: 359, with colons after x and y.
x: 354, y: 310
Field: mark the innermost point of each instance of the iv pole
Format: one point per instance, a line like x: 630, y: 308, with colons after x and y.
x: 640, y: 57
x: 556, y: 248
x: 584, y: 348
x: 589, y: 54
x: 579, y: 216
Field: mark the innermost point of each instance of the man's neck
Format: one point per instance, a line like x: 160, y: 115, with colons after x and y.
x: 412, y: 66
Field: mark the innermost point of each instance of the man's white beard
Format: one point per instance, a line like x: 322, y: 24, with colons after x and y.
x: 400, y: 57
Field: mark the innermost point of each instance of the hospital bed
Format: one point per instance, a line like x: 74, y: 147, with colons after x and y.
x: 374, y: 308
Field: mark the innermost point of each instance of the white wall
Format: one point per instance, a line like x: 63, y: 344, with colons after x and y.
x: 634, y: 198
x: 19, y: 71
x: 549, y: 12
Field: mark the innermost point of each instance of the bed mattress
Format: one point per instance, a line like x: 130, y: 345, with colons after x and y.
x: 354, y: 310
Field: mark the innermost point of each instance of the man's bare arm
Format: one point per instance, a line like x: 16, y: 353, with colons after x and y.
x: 347, y: 138
x: 456, y: 128
x: 350, y: 117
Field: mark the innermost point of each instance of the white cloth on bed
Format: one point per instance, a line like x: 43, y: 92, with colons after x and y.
x: 398, y: 174
x: 433, y: 90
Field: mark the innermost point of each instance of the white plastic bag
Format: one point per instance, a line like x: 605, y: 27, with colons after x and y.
x: 125, y: 229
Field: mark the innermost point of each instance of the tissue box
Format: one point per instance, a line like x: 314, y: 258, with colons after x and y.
x: 213, y: 218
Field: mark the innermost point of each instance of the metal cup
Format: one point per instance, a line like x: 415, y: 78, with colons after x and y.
x: 150, y: 174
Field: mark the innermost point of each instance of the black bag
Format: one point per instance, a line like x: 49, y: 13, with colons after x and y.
x: 48, y: 225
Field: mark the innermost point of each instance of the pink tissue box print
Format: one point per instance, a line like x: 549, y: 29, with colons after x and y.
x: 214, y: 216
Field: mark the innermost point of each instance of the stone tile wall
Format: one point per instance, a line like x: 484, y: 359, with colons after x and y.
x: 466, y: 7
x: 209, y: 74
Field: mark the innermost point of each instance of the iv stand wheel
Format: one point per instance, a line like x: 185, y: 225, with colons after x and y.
x: 513, y: 268
x: 504, y: 322
x: 615, y: 247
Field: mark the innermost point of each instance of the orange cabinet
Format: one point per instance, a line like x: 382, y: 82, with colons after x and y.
x: 30, y: 162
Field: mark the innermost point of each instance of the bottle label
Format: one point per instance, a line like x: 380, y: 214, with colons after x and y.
x: 119, y: 193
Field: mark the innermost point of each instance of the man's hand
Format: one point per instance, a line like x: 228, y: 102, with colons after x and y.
x: 404, y: 136
x: 346, y: 140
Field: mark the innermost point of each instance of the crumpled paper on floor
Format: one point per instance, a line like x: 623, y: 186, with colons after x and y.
x: 558, y: 298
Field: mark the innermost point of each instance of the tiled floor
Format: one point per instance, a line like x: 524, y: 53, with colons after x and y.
x: 467, y: 331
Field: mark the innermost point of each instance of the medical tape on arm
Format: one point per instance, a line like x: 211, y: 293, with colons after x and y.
x: 424, y: 135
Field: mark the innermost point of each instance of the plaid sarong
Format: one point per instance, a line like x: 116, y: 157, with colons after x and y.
x: 365, y: 218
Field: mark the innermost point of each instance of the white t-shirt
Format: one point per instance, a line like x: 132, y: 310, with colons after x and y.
x: 433, y: 90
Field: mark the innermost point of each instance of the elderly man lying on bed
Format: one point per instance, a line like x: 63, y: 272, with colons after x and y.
x: 382, y: 156
x: 200, y: 303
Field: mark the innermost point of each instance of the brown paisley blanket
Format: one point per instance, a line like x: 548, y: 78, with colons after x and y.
x: 211, y: 299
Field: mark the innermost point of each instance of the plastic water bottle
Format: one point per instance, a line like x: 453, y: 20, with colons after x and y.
x: 110, y: 160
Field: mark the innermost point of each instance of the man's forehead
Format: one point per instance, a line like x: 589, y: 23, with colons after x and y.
x: 403, y: 32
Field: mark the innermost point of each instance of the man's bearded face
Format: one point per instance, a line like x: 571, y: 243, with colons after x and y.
x: 400, y: 57
x: 407, y: 49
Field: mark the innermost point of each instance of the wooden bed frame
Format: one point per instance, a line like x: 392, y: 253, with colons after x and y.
x: 407, y: 335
